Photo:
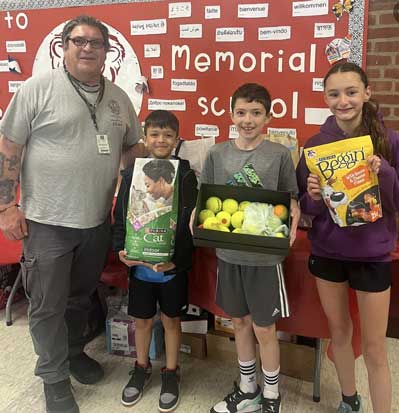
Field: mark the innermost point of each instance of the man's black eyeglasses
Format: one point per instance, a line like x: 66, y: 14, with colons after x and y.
x: 82, y: 42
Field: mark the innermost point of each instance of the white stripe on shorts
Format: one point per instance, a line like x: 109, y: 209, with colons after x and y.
x: 285, y: 311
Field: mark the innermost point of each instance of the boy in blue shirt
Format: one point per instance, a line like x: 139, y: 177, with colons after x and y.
x: 162, y: 283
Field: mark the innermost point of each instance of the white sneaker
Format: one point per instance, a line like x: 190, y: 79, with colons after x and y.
x: 239, y: 402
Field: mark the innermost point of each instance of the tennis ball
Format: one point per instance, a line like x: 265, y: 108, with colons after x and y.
x: 211, y: 223
x: 237, y: 218
x: 243, y: 205
x: 281, y: 212
x: 204, y: 214
x: 224, y: 218
x: 230, y: 205
x: 214, y: 204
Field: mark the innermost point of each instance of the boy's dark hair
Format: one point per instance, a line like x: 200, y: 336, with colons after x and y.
x: 161, y: 119
x: 252, y: 92
x: 371, y: 119
x: 84, y: 19
x: 160, y: 168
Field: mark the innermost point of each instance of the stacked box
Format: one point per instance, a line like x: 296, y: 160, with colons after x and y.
x: 120, y: 336
x: 195, y: 324
x: 224, y: 324
x: 194, y: 345
x: 121, y: 328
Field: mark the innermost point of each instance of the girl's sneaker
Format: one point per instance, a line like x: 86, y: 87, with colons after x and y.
x: 346, y: 408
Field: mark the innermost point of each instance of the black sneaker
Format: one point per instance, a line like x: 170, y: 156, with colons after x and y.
x: 59, y: 398
x: 133, y: 390
x: 239, y: 402
x: 271, y: 405
x: 85, y: 369
x: 170, y: 390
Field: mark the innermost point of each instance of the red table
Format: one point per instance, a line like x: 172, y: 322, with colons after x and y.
x: 307, y: 316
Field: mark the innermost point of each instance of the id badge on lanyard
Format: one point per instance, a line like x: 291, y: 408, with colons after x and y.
x: 103, y: 144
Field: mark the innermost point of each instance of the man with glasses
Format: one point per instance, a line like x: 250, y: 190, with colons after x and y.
x: 72, y: 126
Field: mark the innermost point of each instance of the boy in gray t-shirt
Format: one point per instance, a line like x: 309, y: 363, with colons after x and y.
x: 250, y: 286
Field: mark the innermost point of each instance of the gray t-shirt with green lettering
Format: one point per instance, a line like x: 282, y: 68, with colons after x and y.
x: 64, y: 179
x: 271, y: 162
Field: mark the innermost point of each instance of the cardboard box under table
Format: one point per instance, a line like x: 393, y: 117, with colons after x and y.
x: 235, y: 241
x: 194, y: 344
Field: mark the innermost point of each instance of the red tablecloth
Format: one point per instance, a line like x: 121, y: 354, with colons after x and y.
x: 10, y: 251
x: 307, y: 317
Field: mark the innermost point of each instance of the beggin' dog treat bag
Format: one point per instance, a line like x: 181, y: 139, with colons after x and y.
x: 349, y: 189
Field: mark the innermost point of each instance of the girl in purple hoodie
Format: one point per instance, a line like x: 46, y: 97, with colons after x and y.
x: 355, y: 257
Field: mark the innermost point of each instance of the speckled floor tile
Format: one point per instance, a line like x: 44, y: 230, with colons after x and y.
x: 204, y: 382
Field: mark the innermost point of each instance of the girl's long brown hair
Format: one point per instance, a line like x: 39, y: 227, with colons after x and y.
x: 371, y: 123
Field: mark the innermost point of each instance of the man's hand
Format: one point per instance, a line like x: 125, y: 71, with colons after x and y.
x: 13, y: 224
x: 295, y: 215
x: 313, y: 187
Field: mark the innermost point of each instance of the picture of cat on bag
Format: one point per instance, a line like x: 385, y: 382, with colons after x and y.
x: 138, y: 205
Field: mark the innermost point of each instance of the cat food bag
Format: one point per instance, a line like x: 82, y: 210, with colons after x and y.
x: 152, y: 211
x: 349, y: 189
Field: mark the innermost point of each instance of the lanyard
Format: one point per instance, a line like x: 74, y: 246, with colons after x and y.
x: 92, y: 108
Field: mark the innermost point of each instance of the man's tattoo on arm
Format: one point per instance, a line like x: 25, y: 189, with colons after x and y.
x: 2, y: 162
x: 13, y: 163
x: 7, y: 191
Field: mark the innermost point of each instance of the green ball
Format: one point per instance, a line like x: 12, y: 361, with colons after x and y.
x: 230, y: 205
x: 214, y: 204
x: 204, y: 214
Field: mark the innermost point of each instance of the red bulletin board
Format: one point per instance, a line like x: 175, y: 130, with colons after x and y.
x: 286, y: 67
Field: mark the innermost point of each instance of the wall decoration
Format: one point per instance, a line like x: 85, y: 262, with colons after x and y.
x: 190, y: 56
x: 13, y: 65
x: 341, y: 7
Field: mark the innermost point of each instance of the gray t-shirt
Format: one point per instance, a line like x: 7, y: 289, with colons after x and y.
x: 273, y: 165
x: 64, y: 179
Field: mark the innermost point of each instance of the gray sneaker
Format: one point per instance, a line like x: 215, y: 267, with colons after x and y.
x: 133, y: 391
x: 346, y: 408
x: 170, y: 390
